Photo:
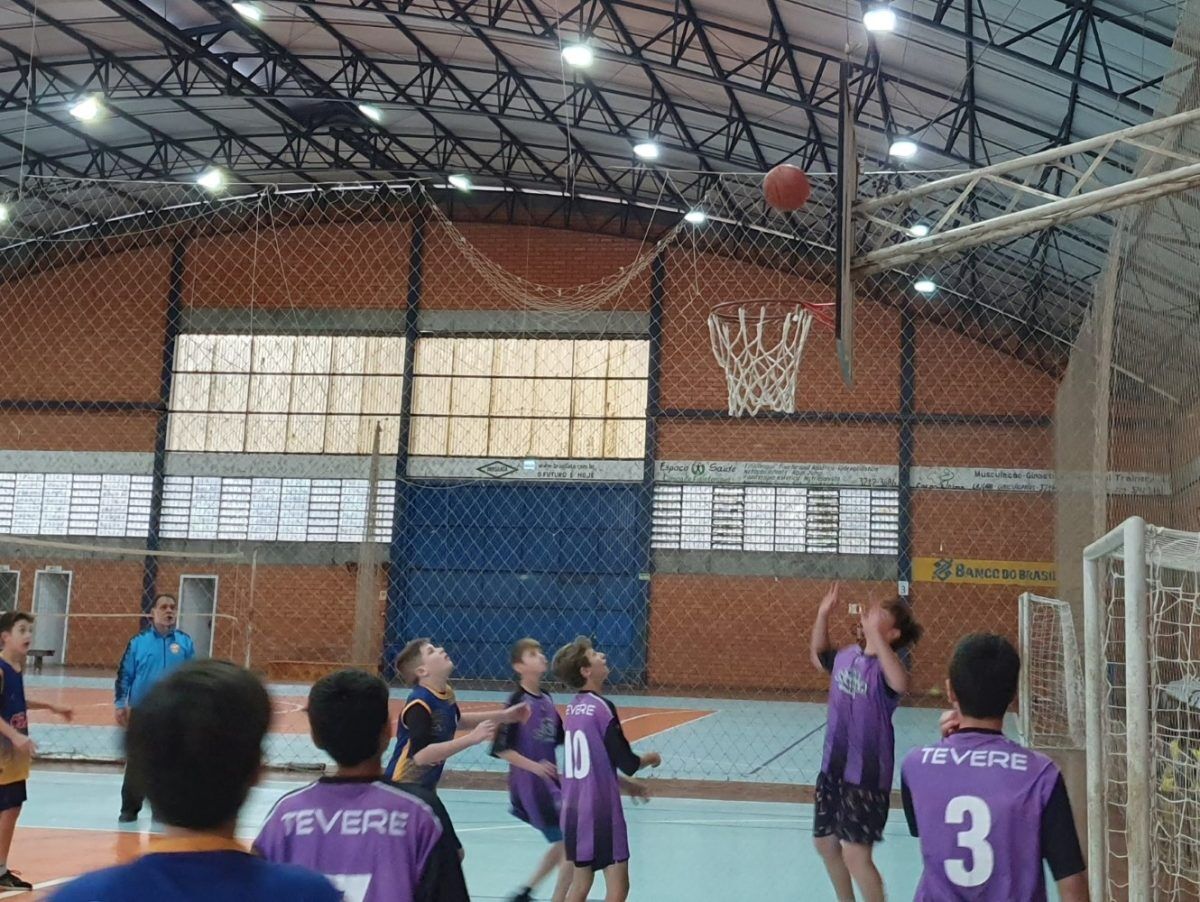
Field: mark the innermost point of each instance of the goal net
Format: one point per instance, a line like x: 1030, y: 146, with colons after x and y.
x: 1142, y: 588
x: 1051, y: 699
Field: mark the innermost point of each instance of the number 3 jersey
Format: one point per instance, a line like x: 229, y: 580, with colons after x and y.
x: 594, y: 747
x: 988, y: 811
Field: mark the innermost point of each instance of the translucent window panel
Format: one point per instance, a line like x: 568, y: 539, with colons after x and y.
x: 473, y: 356
x: 266, y: 433
x: 273, y: 354
x: 270, y: 394
x: 429, y: 435
x: 229, y: 393
x: 626, y: 399
x: 231, y: 354
x: 226, y: 432
x: 186, y: 431
x: 190, y: 391
x: 624, y: 439
x: 382, y: 395
x: 349, y: 355
x: 435, y: 356
x: 310, y: 394
x: 591, y: 360
x: 550, y: 438
x: 306, y: 434
x: 313, y: 354
x: 431, y: 395
x: 194, y: 353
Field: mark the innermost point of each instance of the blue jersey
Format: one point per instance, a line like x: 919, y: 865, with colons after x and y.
x: 149, y: 657
x: 203, y: 869
x: 429, y: 717
x: 14, y: 765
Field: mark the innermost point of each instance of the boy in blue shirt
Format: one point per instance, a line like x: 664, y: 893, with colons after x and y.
x: 16, y: 748
x: 196, y: 747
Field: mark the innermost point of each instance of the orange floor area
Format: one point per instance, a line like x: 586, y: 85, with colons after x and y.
x: 93, y: 707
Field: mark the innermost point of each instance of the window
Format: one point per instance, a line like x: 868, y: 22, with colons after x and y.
x: 776, y: 518
x: 515, y: 397
x: 296, y: 394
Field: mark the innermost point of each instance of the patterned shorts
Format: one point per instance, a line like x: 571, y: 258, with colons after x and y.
x: 854, y: 814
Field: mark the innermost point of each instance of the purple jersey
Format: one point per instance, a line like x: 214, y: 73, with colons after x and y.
x: 594, y: 746
x: 860, y: 746
x: 375, y: 841
x: 988, y: 811
x: 534, y: 799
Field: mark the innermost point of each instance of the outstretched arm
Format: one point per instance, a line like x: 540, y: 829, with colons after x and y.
x: 819, y: 645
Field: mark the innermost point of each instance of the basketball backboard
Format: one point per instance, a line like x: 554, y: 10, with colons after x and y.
x: 847, y: 193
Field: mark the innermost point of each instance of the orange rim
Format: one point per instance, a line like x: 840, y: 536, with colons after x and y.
x: 773, y: 310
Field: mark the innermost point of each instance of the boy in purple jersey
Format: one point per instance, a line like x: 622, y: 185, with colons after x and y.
x: 376, y: 841
x: 595, y: 747
x: 988, y: 810
x: 854, y: 787
x: 531, y: 750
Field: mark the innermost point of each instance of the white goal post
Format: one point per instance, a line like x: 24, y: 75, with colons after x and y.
x: 1142, y: 669
x: 1051, y: 688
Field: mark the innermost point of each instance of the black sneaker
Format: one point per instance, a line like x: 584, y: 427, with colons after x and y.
x: 127, y: 817
x: 525, y: 895
x: 9, y: 880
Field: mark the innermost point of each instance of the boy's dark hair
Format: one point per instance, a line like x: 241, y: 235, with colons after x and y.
x: 983, y: 674
x: 520, y: 647
x: 409, y: 660
x: 570, y: 660
x: 902, y: 616
x: 9, y: 619
x: 195, y: 743
x: 347, y: 712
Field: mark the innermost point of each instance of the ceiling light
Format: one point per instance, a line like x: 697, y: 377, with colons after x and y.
x: 86, y: 109
x: 646, y: 150
x: 459, y: 181
x: 903, y: 149
x: 695, y: 217
x: 248, y: 11
x: 371, y: 112
x: 3, y: 212
x: 211, y: 179
x: 879, y: 18
x: 919, y: 230
x: 578, y: 56
x: 925, y: 286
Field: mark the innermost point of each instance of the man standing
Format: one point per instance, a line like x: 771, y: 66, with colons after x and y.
x: 149, y: 656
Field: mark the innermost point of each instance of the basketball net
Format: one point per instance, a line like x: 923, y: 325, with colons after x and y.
x: 760, y: 344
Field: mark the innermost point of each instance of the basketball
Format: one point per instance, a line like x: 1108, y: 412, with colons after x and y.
x: 786, y: 188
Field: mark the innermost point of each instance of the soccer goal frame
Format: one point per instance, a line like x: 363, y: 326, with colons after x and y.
x: 1141, y: 587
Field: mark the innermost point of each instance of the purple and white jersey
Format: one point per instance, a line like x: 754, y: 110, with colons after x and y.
x: 988, y: 811
x: 860, y: 745
x: 594, y: 746
x: 534, y: 799
x: 374, y: 840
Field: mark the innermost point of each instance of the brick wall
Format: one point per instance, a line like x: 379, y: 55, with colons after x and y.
x: 100, y: 325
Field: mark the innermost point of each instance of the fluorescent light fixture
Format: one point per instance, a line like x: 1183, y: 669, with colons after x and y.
x: 918, y: 230
x: 460, y: 181
x: 695, y: 217
x: 578, y: 56
x: 371, y: 112
x: 925, y: 286
x: 248, y: 11
x: 879, y: 19
x: 3, y: 212
x: 87, y: 109
x: 646, y: 150
x: 211, y: 179
x: 903, y: 149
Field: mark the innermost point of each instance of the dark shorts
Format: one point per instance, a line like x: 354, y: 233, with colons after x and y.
x: 12, y: 795
x: 552, y: 834
x: 598, y: 865
x: 854, y: 814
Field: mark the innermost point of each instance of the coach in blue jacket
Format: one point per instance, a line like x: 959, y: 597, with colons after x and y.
x: 149, y: 656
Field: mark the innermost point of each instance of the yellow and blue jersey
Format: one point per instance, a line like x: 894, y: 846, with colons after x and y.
x: 14, y: 765
x: 429, y: 717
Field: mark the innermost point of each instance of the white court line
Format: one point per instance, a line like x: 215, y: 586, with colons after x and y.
x: 37, y: 886
x: 676, y: 726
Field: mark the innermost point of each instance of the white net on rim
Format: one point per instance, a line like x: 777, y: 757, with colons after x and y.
x: 760, y: 344
x: 1051, y: 675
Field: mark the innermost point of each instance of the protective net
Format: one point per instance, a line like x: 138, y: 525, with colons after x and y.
x: 1051, y: 699
x: 1169, y: 631
x: 480, y: 418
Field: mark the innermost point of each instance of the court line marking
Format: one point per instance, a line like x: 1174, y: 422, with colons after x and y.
x: 788, y: 748
x: 676, y: 726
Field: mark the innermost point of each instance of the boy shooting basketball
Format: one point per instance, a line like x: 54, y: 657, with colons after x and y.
x: 988, y: 811
x: 854, y: 788
x: 593, y: 823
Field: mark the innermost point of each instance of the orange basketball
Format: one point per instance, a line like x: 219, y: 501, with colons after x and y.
x: 786, y: 188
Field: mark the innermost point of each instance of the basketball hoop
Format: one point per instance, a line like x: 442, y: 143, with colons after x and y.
x: 759, y: 344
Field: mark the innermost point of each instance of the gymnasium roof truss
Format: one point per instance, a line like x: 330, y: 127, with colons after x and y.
x: 476, y: 86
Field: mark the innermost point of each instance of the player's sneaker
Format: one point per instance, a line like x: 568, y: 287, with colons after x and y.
x: 525, y: 895
x: 9, y: 880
